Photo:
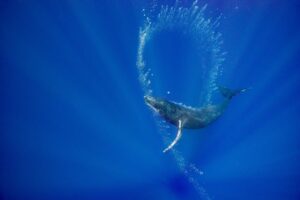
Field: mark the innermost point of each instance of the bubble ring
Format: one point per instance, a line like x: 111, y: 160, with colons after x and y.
x: 192, y: 21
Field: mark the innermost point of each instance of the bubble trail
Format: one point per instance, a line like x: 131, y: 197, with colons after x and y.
x: 192, y: 22
x: 203, y: 31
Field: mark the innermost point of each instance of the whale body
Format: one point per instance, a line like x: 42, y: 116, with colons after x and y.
x: 183, y: 116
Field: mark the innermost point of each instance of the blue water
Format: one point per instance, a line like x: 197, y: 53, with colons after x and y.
x: 74, y: 124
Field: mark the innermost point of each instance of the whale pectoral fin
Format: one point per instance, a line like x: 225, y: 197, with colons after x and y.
x: 178, y: 136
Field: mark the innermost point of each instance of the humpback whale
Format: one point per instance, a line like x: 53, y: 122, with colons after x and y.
x: 189, y: 117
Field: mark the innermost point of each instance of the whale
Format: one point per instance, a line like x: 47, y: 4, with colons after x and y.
x: 187, y: 117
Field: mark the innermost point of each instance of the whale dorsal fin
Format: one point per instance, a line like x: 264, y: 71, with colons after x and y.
x: 178, y: 136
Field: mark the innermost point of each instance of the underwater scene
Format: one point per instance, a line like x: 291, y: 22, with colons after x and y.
x: 150, y: 99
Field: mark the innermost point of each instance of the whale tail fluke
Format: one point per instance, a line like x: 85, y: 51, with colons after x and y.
x: 228, y: 93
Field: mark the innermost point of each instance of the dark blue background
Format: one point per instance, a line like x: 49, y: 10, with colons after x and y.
x: 74, y: 124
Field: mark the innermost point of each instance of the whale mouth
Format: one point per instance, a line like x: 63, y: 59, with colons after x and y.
x: 151, y: 102
x: 149, y: 99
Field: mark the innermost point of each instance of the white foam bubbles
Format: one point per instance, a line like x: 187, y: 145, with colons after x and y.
x: 203, y: 30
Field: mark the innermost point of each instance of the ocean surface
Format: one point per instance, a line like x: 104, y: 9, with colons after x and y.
x: 74, y: 74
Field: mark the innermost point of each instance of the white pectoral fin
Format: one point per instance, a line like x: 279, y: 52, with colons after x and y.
x: 178, y: 136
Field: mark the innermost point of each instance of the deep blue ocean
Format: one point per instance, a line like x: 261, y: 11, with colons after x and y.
x: 74, y: 124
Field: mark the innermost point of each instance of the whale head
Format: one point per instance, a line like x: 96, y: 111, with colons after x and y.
x: 168, y: 110
x: 164, y: 108
x: 156, y: 104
